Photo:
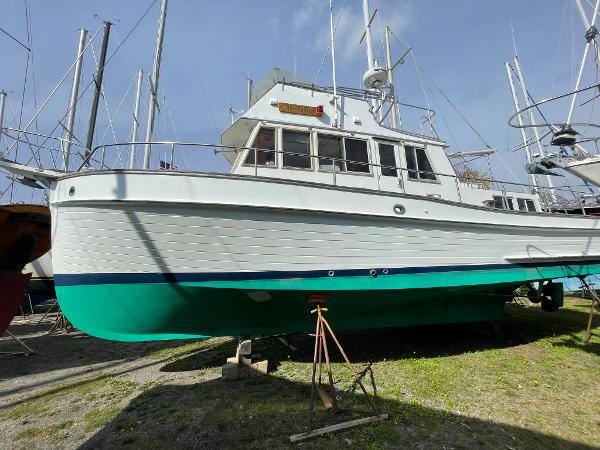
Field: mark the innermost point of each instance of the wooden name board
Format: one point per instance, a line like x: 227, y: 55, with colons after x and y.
x: 316, y: 111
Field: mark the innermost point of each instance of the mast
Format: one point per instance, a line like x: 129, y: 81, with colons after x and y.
x: 98, y: 81
x: 367, y: 20
x: 2, y: 103
x: 154, y: 82
x: 536, y: 132
x: 136, y: 118
x: 335, y: 98
x: 589, y: 35
x: 249, y: 86
x: 390, y: 74
x: 73, y: 102
x: 533, y: 181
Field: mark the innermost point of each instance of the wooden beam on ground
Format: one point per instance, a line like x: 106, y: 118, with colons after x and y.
x: 338, y: 427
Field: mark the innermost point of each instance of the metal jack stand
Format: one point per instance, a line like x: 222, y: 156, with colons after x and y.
x: 28, y: 349
x: 48, y: 311
x: 594, y: 301
x: 61, y: 324
x: 328, y: 395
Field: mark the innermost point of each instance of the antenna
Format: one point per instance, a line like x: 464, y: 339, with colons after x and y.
x: 154, y: 82
x: 335, y: 108
x: 390, y: 74
x: 367, y: 33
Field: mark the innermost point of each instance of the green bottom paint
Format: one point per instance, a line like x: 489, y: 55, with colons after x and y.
x: 156, y: 311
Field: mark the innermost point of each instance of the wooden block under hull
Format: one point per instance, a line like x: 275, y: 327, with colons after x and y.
x: 234, y: 371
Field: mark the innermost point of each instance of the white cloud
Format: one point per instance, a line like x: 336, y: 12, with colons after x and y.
x: 312, y: 19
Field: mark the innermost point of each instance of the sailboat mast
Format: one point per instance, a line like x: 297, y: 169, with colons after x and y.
x: 370, y: 60
x: 533, y: 181
x: 154, y: 82
x: 536, y: 132
x: 73, y: 102
x: 98, y: 91
x: 390, y: 74
x: 136, y: 118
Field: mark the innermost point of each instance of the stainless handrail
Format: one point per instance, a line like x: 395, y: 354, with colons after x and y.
x: 256, y: 150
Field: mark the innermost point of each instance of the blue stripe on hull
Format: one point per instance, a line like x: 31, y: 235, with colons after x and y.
x: 197, y: 277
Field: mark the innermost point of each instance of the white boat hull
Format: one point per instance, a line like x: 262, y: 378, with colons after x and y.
x: 240, y: 246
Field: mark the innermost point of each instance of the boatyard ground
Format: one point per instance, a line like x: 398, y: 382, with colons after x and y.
x: 460, y: 386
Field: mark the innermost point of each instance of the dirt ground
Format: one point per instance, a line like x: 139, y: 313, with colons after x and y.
x: 460, y: 386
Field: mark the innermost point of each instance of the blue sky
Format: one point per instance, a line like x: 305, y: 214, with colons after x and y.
x: 211, y: 46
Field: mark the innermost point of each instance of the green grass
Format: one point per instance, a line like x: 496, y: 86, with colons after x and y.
x: 100, y: 417
x: 448, y: 386
x: 51, y: 432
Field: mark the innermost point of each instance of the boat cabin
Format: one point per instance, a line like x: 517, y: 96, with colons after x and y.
x: 289, y: 132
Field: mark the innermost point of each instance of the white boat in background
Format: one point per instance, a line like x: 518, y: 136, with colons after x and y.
x: 572, y: 157
x: 585, y: 167
x: 41, y: 283
x: 323, y: 198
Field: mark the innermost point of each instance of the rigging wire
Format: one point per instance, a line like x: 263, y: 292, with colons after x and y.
x: 15, y: 39
x: 92, y: 81
x: 25, y: 78
x: 418, y: 70
x: 337, y: 22
x: 212, y: 118
x: 52, y: 94
x: 558, y: 47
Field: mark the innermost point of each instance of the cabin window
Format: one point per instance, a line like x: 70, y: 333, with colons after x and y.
x: 387, y: 160
x: 265, y: 145
x: 531, y: 205
x: 356, y: 150
x: 418, y: 165
x: 509, y: 202
x: 330, y: 148
x: 522, y: 204
x: 498, y: 202
x: 296, y: 149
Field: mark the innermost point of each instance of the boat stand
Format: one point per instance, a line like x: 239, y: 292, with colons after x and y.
x: 54, y: 303
x: 594, y: 302
x: 327, y: 394
x: 28, y: 351
x: 61, y: 324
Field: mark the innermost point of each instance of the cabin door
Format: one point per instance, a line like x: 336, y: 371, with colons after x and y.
x: 388, y: 157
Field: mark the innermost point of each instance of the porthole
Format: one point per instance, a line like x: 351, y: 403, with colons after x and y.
x: 331, y: 273
x: 72, y: 190
x: 373, y: 272
x: 385, y: 271
x: 399, y: 209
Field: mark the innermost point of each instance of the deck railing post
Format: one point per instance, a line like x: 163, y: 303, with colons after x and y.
x: 581, y: 204
x: 458, y: 189
x: 334, y: 180
x: 103, y: 158
x: 255, y: 162
x: 504, y: 199
x: 172, y: 154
